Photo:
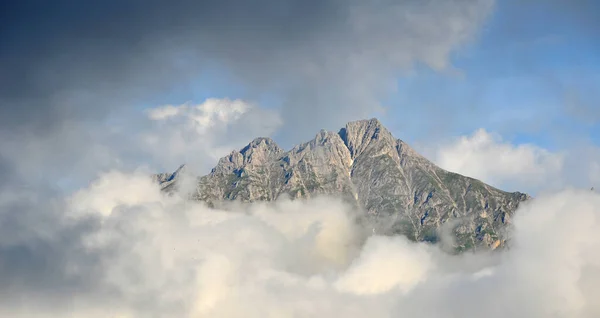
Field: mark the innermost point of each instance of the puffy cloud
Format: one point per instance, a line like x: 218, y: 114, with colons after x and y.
x: 484, y: 155
x: 164, y: 112
x: 517, y: 167
x: 203, y: 115
x: 200, y: 134
x: 117, y: 190
x: 131, y: 252
x: 160, y: 138
x: 386, y: 264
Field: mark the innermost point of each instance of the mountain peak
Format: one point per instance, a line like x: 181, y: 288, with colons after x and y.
x: 167, y: 180
x: 365, y: 125
x: 364, y: 164
x: 358, y: 135
x: 366, y: 122
x: 261, y: 142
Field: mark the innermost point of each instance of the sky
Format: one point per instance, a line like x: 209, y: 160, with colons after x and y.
x: 524, y: 74
x: 95, y: 96
x: 531, y: 82
x: 433, y: 72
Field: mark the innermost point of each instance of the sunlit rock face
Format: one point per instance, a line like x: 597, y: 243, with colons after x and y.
x: 400, y: 191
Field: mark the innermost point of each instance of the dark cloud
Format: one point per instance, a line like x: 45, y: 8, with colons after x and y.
x: 70, y: 58
x: 324, y: 59
x: 41, y: 254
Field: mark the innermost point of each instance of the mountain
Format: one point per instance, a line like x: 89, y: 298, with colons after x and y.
x: 168, y: 181
x: 365, y: 165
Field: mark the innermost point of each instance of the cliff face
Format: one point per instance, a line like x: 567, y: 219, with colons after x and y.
x: 364, y: 164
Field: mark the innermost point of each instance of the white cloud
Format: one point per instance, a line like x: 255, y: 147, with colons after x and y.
x: 117, y: 190
x: 386, y: 264
x: 200, y: 134
x: 165, y: 257
x: 164, y: 112
x: 486, y: 156
x: 517, y: 167
x: 210, y: 113
x: 160, y: 138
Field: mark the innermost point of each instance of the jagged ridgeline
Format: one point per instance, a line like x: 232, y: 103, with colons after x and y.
x: 365, y: 165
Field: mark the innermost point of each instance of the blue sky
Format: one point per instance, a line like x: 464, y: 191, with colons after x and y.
x: 517, y: 79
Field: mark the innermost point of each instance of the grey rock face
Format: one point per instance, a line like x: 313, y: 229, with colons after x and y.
x: 401, y: 191
x: 168, y: 181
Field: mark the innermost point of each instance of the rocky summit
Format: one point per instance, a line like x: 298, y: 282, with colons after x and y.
x: 381, y: 175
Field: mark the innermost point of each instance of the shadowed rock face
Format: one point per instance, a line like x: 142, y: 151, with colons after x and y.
x: 401, y: 191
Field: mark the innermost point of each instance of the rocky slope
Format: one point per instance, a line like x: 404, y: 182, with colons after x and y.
x: 364, y: 164
x: 168, y: 181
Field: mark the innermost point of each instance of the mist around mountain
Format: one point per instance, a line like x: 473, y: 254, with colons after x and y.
x: 397, y: 190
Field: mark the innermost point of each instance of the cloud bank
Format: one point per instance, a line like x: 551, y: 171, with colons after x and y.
x: 120, y: 248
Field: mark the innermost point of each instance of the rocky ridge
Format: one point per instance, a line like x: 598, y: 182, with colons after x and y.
x: 366, y: 166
